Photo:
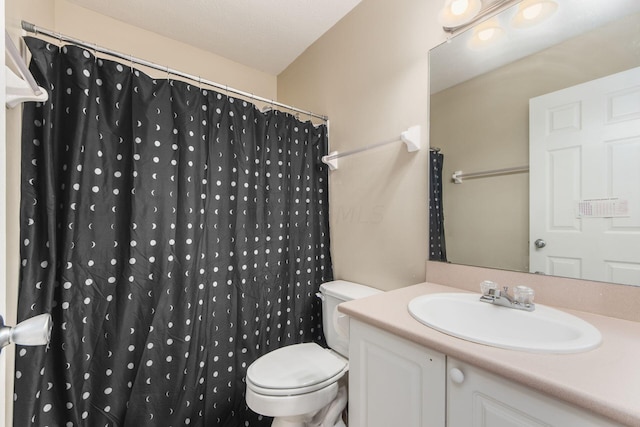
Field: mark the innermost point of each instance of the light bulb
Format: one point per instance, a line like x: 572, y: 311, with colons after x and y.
x: 458, y: 7
x: 487, y: 34
x: 532, y: 12
x: 458, y: 12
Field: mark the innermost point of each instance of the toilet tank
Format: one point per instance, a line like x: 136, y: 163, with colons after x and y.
x: 336, y: 324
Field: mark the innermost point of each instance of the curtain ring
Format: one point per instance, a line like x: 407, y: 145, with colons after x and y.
x: 95, y: 53
x: 131, y: 62
x: 168, y: 74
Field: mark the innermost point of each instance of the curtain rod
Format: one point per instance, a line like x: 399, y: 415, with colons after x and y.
x: 31, y: 28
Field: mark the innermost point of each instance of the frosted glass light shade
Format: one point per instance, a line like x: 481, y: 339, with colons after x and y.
x: 533, y: 12
x: 458, y: 12
x: 485, y: 34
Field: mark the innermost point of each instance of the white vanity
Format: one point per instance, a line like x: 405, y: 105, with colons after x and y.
x: 404, y: 373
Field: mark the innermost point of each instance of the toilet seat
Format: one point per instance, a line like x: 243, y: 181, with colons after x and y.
x: 295, y: 369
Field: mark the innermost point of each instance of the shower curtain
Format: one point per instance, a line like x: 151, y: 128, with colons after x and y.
x: 437, y: 247
x: 175, y: 234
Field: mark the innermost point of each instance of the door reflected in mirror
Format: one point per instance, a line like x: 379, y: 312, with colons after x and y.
x: 482, y: 123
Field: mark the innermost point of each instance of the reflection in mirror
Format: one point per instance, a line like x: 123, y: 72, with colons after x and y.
x: 578, y: 69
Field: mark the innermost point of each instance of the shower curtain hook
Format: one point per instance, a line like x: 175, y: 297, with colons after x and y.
x: 59, y: 42
x: 131, y: 62
x: 95, y: 53
x: 168, y: 74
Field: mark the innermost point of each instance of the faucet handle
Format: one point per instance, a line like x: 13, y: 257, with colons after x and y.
x: 486, y: 286
x: 524, y: 295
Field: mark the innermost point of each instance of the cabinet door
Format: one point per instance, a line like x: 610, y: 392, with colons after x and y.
x: 393, y: 382
x: 476, y: 398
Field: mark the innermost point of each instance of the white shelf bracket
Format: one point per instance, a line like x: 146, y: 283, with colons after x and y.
x: 331, y: 160
x: 411, y: 137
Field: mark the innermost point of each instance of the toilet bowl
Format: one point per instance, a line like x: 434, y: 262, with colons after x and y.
x: 299, y: 385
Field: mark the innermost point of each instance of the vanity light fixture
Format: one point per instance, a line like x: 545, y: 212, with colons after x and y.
x: 533, y: 12
x: 458, y: 15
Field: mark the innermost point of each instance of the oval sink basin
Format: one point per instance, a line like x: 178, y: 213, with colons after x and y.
x: 544, y: 330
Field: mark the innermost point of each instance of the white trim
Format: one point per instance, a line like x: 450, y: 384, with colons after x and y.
x: 3, y: 223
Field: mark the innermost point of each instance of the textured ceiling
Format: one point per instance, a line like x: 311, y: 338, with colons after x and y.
x: 266, y: 35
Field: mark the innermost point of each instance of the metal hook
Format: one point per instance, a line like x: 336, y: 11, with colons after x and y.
x: 131, y: 62
x: 168, y: 74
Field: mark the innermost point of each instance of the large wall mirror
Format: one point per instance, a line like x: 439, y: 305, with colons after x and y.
x: 541, y: 125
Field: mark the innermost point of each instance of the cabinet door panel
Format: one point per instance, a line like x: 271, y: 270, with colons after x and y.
x: 393, y: 382
x: 482, y: 399
x: 492, y: 413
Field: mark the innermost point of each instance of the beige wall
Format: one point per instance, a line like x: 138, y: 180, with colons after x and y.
x: 482, y: 124
x: 369, y: 74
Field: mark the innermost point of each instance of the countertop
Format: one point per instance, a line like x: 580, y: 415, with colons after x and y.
x: 605, y: 381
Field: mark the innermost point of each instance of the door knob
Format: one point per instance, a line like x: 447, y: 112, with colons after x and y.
x: 456, y: 375
x: 540, y: 243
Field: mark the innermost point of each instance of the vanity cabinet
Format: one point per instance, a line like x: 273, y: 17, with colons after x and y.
x: 480, y: 399
x: 393, y: 382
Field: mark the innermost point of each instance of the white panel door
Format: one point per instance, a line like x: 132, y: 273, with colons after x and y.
x: 584, y: 151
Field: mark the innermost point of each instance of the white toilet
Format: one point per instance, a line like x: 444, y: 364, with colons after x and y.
x: 298, y: 384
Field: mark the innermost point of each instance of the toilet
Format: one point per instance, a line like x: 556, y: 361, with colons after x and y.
x: 298, y: 384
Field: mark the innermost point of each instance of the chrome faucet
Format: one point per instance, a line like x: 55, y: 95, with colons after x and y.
x: 522, y: 299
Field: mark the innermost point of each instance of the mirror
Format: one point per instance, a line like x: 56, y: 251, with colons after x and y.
x: 480, y: 121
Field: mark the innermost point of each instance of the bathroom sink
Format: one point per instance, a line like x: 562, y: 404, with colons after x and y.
x: 544, y: 330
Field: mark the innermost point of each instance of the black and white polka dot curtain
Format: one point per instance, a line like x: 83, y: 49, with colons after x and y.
x: 174, y: 233
x: 437, y: 246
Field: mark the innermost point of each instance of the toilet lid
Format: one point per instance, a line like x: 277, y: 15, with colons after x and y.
x: 295, y: 366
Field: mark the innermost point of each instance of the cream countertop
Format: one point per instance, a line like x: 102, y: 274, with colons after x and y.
x: 605, y: 380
